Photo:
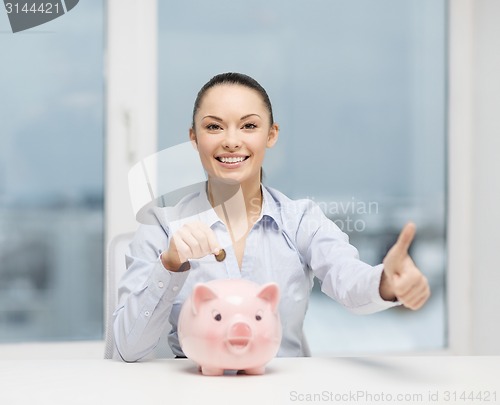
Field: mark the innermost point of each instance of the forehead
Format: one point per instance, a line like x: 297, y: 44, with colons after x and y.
x: 232, y: 97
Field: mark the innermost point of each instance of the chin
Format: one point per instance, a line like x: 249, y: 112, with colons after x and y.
x: 233, y: 180
x: 227, y: 180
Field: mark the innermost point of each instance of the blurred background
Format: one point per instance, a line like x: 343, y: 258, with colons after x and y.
x: 52, y: 178
x: 359, y: 88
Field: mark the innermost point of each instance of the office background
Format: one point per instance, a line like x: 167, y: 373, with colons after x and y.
x: 370, y: 129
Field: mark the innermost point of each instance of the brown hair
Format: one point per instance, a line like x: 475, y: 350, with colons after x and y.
x: 233, y: 78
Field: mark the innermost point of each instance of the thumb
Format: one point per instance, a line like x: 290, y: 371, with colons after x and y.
x: 405, y: 238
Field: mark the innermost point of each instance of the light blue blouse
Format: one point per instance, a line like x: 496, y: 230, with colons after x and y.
x: 292, y: 242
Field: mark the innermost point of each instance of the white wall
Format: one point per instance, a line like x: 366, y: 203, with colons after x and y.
x: 486, y: 179
x: 474, y: 145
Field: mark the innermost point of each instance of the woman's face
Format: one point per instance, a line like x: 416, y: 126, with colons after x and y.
x: 231, y: 133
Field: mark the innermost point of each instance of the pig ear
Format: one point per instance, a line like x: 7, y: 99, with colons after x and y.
x: 201, y: 294
x: 271, y: 293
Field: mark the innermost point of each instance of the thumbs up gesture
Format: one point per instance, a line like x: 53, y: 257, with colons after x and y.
x: 401, y: 279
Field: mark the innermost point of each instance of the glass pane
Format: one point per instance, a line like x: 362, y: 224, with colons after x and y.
x: 51, y: 178
x: 359, y: 90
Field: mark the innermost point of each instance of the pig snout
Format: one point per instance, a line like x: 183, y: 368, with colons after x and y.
x: 240, y: 329
x: 239, y: 337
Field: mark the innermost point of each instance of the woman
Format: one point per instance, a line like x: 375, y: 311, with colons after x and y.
x: 265, y: 235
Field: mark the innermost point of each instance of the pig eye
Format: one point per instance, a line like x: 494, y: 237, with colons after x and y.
x: 217, y: 316
x: 258, y: 317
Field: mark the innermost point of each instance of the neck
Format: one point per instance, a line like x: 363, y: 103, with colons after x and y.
x: 222, y: 192
x: 236, y: 203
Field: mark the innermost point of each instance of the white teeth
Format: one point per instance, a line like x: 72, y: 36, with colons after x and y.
x: 231, y: 159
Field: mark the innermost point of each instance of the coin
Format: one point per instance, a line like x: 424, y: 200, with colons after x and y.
x: 221, y: 255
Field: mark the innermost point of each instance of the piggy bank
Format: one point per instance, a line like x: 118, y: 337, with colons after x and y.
x: 231, y: 324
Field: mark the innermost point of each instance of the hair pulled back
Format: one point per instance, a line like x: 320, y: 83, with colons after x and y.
x: 233, y: 78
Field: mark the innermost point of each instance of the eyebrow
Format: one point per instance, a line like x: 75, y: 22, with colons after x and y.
x: 248, y: 115
x: 220, y: 119
x: 213, y: 117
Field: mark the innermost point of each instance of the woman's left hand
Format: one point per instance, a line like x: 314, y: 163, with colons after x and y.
x: 401, y: 279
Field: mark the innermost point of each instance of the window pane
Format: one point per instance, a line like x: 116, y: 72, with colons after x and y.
x: 359, y: 90
x: 51, y: 178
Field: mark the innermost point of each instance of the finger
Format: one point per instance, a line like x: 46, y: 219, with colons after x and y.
x: 415, y: 293
x: 423, y: 300
x: 202, y: 239
x: 410, y: 277
x: 206, y: 238
x: 405, y: 238
x: 197, y: 246
x: 417, y: 296
x: 417, y: 301
x: 182, y: 249
x: 213, y: 242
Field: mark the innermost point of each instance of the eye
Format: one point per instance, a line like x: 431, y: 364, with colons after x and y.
x: 217, y: 316
x: 213, y: 127
x: 258, y: 316
x: 249, y: 125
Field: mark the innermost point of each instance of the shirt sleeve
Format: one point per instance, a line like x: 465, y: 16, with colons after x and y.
x: 145, y: 294
x: 335, y: 262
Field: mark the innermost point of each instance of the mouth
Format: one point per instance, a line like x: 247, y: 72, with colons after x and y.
x: 231, y: 160
x: 238, y: 344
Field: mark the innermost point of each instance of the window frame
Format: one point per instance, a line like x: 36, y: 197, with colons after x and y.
x: 131, y: 103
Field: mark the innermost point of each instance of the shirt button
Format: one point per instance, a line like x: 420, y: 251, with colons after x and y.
x: 175, y: 288
x: 160, y: 284
x: 147, y: 313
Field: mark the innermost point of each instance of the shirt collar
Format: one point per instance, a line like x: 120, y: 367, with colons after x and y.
x: 270, y: 207
x: 207, y: 212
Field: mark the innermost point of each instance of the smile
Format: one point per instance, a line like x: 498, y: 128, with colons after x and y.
x: 233, y: 160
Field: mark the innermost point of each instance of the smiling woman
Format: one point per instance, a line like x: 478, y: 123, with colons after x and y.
x: 232, y: 128
x: 228, y: 140
x: 258, y: 119
x: 232, y: 211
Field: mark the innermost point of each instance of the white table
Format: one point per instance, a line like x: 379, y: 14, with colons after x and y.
x: 70, y: 374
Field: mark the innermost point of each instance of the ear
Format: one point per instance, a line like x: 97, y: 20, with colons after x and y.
x: 193, y: 139
x: 272, y: 137
x: 201, y: 294
x: 270, y: 292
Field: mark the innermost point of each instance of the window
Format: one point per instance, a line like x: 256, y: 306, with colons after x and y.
x: 359, y: 89
x: 51, y: 178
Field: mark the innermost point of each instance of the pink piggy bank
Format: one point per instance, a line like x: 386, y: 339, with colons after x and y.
x: 231, y: 324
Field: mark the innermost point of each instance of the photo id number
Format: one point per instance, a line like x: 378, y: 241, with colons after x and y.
x: 42, y: 8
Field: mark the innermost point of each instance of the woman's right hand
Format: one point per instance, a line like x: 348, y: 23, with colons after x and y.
x: 192, y: 241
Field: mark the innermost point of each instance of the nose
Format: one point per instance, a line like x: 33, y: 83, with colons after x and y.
x: 231, y: 141
x: 240, y: 329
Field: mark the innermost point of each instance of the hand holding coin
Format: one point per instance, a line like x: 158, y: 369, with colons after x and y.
x: 193, y: 240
